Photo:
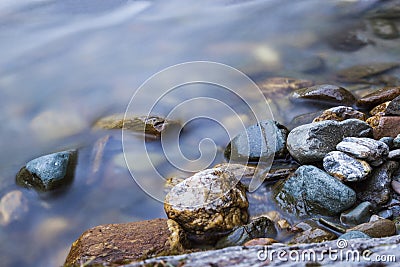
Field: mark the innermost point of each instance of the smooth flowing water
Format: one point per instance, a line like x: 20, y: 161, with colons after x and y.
x: 66, y: 63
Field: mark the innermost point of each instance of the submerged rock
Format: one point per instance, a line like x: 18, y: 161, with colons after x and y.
x: 254, y: 145
x: 259, y: 228
x: 13, y: 206
x: 380, y: 96
x: 126, y: 242
x: 149, y: 125
x: 312, y: 191
x: 340, y: 113
x: 359, y: 214
x: 311, y: 233
x: 353, y: 235
x: 311, y: 142
x: 276, y: 87
x: 375, y: 229
x: 326, y: 93
x: 393, y: 108
x: 364, y: 148
x: 208, y: 204
x: 346, y: 168
x: 360, y: 73
x: 384, y: 28
x: 262, y: 241
x: 48, y: 172
x: 376, y: 189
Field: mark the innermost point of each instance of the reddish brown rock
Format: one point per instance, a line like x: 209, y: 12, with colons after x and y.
x: 126, y: 242
x: 324, y: 93
x: 387, y: 126
x: 378, y: 97
x: 379, y: 228
x: 263, y: 241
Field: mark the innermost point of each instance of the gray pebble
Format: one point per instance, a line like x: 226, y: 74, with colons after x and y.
x: 345, y: 167
x: 358, y: 215
x: 364, y: 148
x: 394, y: 154
x: 388, y: 141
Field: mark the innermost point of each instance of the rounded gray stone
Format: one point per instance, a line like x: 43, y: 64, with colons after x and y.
x: 358, y: 215
x: 345, y: 167
x: 364, y: 148
x: 311, y: 142
x: 313, y: 191
x: 394, y: 154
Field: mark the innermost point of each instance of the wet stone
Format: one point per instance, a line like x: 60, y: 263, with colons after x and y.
x: 384, y: 29
x: 282, y: 86
x: 364, y: 148
x: 345, y: 167
x: 311, y: 142
x: 340, y: 113
x: 13, y: 206
x: 263, y: 241
x: 360, y: 73
x: 394, y: 154
x: 349, y: 39
x: 311, y: 233
x: 313, y: 191
x: 353, y: 235
x: 325, y: 93
x: 261, y: 227
x: 150, y: 125
x: 386, y: 214
x: 388, y: 141
x: 376, y: 189
x: 208, y: 204
x: 393, y: 108
x: 387, y: 126
x: 386, y: 10
x: 396, y: 141
x: 358, y: 215
x: 253, y: 145
x: 378, y: 97
x: 48, y: 172
x: 375, y: 229
x: 126, y: 242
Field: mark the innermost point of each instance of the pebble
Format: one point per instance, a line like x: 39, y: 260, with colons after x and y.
x: 113, y: 244
x: 313, y: 191
x: 376, y: 229
x: 377, y: 188
x: 359, y: 73
x: 364, y: 148
x: 394, y: 154
x: 386, y: 214
x: 396, y: 141
x: 396, y: 186
x: 380, y: 96
x: 388, y: 141
x: 340, y: 113
x: 253, y: 144
x: 311, y: 142
x: 48, y: 172
x: 349, y: 39
x: 393, y: 109
x: 13, y: 206
x: 332, y: 94
x: 345, y: 167
x: 276, y: 87
x: 311, y: 233
x: 353, y: 235
x: 384, y: 28
x: 359, y: 214
x: 208, y: 204
x: 261, y: 227
x: 379, y: 109
x: 387, y: 126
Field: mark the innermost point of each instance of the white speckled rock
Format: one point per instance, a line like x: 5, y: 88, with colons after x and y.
x: 345, y: 167
x: 364, y: 148
x: 208, y: 204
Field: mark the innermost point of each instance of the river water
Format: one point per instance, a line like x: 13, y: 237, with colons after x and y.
x: 66, y: 63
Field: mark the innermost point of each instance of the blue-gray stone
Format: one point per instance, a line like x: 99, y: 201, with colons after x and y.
x: 396, y: 142
x: 49, y: 170
x: 388, y: 141
x: 393, y: 109
x: 364, y: 148
x: 353, y: 235
x: 386, y: 214
x: 358, y: 215
x: 259, y: 142
x: 394, y: 154
x: 311, y: 142
x: 313, y: 191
